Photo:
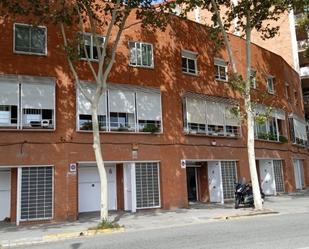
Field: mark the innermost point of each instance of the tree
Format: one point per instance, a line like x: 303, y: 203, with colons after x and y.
x: 109, y: 17
x: 249, y: 15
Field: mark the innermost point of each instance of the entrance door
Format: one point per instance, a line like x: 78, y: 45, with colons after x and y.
x: 267, y: 177
x: 89, y: 188
x: 192, y: 183
x: 5, y: 194
x: 215, y: 181
x: 299, y: 173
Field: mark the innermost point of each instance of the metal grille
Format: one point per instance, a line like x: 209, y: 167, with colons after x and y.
x: 278, y: 176
x: 36, y: 193
x: 147, y: 185
x: 228, y: 172
x: 302, y: 173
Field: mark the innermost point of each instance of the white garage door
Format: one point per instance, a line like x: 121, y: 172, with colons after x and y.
x: 5, y: 194
x: 89, y: 188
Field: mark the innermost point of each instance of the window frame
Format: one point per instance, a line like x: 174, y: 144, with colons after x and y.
x: 217, y: 67
x: 92, y: 46
x: 132, y: 130
x: 30, y: 26
x: 209, y: 129
x: 270, y: 77
x: 152, y: 54
x: 194, y: 54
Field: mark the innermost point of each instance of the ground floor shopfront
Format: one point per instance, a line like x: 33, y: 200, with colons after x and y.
x: 60, y: 190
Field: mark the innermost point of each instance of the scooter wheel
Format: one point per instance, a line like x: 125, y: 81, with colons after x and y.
x: 237, y: 202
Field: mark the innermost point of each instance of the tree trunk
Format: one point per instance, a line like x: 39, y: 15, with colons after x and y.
x: 250, y: 125
x: 99, y: 160
x: 225, y: 37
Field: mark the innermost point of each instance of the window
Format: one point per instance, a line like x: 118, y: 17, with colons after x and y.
x: 298, y: 130
x: 295, y: 97
x: 273, y: 127
x: 89, y: 44
x: 270, y: 84
x: 220, y: 69
x: 36, y: 193
x: 141, y: 54
x: 203, y: 116
x: 122, y: 109
x: 189, y: 62
x: 27, y: 102
x: 253, y: 78
x: 30, y: 39
x: 287, y: 90
x: 147, y: 185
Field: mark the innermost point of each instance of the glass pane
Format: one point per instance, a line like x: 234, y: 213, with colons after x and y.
x: 144, y: 55
x: 191, y: 66
x: 22, y: 38
x: 138, y: 54
x: 37, y: 40
x: 184, y: 64
x: 132, y: 53
x: 94, y: 47
x: 217, y: 75
x: 85, y: 43
x: 222, y: 73
x: 149, y: 51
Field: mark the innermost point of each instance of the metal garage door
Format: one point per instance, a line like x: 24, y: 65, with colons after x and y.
x: 89, y: 196
x: 5, y: 193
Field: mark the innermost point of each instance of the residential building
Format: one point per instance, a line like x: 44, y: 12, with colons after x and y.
x: 290, y: 42
x: 169, y: 124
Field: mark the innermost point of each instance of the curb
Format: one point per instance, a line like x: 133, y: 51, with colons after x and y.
x: 58, y: 237
x: 257, y: 213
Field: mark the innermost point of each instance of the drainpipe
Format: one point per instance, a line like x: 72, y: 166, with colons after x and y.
x: 18, y: 196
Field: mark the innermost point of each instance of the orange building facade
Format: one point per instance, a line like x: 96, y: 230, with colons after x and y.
x: 168, y: 133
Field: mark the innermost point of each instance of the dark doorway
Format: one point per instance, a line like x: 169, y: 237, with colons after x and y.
x: 191, y: 183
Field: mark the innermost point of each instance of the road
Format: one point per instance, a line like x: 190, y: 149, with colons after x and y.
x: 271, y: 231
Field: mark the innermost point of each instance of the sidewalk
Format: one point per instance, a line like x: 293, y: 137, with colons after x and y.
x: 150, y: 219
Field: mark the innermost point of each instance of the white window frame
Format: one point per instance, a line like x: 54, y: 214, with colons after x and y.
x: 108, y: 118
x: 272, y: 78
x: 224, y: 133
x: 217, y: 66
x: 141, y: 53
x: 92, y: 46
x: 193, y: 54
x: 29, y: 53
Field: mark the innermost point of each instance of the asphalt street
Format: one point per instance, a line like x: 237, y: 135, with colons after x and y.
x: 271, y: 231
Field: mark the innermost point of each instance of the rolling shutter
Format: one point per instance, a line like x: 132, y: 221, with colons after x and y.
x: 36, y: 193
x: 38, y: 93
x: 84, y: 106
x: 9, y: 89
x: 196, y: 111
x: 230, y: 118
x: 215, y: 113
x: 148, y: 106
x: 300, y: 129
x: 121, y: 101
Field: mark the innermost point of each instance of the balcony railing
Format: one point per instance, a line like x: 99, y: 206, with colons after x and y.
x: 303, y: 44
x: 306, y: 99
x: 304, y: 71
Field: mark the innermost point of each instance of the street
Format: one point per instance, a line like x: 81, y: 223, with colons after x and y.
x: 270, y: 231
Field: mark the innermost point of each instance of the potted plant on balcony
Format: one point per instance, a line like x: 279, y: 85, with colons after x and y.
x: 152, y: 128
x: 283, y: 139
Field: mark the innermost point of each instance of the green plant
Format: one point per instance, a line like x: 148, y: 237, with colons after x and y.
x: 272, y: 136
x: 283, y: 139
x: 106, y: 224
x: 263, y: 135
x: 150, y: 128
x: 123, y: 128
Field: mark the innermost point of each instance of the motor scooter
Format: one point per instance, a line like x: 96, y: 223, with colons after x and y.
x: 244, y: 195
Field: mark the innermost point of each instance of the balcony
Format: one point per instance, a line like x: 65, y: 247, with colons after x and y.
x: 303, y: 45
x: 306, y: 99
x: 304, y: 72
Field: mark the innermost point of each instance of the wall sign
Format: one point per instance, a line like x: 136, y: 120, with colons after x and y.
x: 73, y: 167
x: 183, y: 164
